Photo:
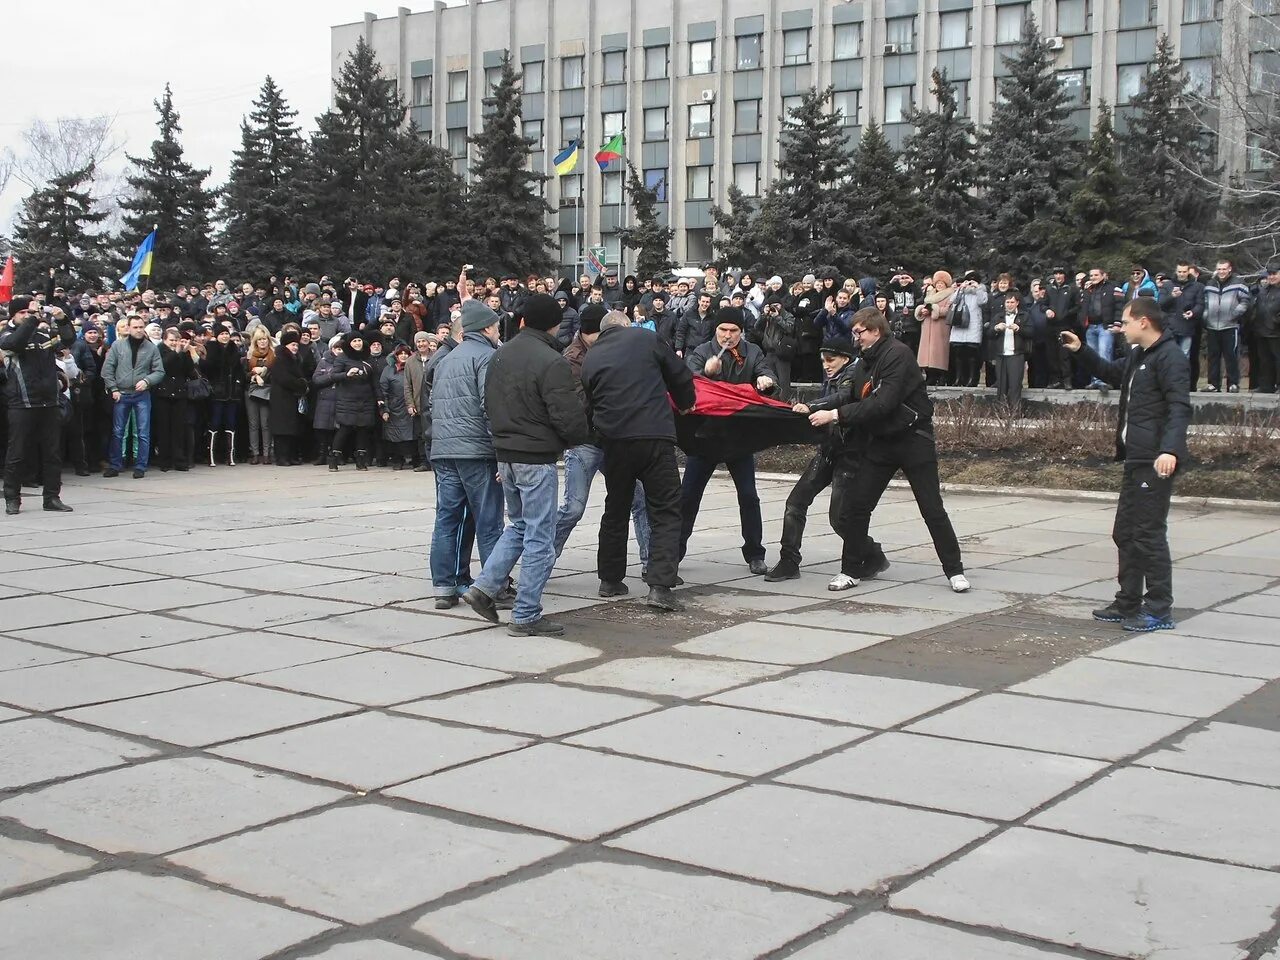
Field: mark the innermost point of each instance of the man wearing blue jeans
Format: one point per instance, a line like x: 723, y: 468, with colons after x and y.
x: 132, y: 369
x: 535, y: 413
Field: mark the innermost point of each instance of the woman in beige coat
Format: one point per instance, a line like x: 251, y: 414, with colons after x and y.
x: 935, y: 332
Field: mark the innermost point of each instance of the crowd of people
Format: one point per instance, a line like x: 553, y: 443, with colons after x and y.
x: 410, y: 375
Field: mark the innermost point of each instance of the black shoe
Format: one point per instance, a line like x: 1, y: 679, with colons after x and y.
x: 110, y: 472
x: 542, y: 627
x: 663, y: 599
x: 758, y: 567
x: 398, y: 465
x: 446, y: 603
x: 679, y: 581
x: 11, y: 507
x: 55, y: 505
x: 84, y: 472
x: 1113, y: 613
x: 333, y: 463
x: 421, y: 468
x: 481, y: 603
x: 613, y: 589
x: 876, y: 568
x: 138, y: 474
x: 783, y: 570
x: 182, y: 468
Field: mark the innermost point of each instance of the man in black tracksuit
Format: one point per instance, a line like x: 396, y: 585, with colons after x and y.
x: 31, y: 392
x: 834, y: 465
x: 896, y: 413
x: 1151, y: 439
x: 626, y: 377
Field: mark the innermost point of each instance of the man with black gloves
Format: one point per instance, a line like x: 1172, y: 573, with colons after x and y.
x: 1151, y: 439
x: 532, y: 403
x: 626, y: 377
x: 896, y: 412
x: 834, y: 465
x: 31, y: 390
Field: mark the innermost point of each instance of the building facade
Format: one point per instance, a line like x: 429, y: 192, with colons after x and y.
x: 699, y: 87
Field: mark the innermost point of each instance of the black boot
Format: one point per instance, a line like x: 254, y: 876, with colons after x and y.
x: 362, y: 460
x: 333, y: 461
x: 55, y: 505
x: 322, y: 456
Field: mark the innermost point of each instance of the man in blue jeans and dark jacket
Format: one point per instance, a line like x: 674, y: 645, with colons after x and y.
x: 132, y: 369
x: 1151, y: 439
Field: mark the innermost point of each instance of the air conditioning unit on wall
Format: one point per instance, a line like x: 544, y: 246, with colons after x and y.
x: 1056, y: 43
x: 890, y: 48
x: 708, y: 96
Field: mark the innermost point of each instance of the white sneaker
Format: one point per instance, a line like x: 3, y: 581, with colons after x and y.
x: 842, y: 581
x: 960, y: 583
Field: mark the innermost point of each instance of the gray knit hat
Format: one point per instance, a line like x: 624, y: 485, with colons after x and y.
x: 476, y: 316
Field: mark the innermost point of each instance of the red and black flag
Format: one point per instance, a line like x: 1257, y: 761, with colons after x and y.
x: 732, y: 420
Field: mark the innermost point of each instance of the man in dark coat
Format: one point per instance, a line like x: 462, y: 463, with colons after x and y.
x: 534, y: 412
x: 1151, y: 440
x: 288, y: 386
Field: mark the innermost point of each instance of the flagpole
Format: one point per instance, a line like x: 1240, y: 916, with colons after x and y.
x: 146, y: 283
x: 579, y: 265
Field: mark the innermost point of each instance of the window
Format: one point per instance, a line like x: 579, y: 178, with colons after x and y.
x: 849, y: 104
x: 1257, y: 157
x: 570, y: 252
x: 1136, y: 13
x: 458, y: 142
x: 700, y: 120
x: 570, y: 189
x: 901, y: 33
x: 789, y: 104
x: 612, y: 249
x: 491, y: 77
x: 1130, y: 79
x: 531, y: 82
x: 1075, y: 84
x: 655, y: 123
x: 961, y: 88
x: 458, y: 86
x: 954, y: 29
x: 614, y: 64
x: 699, y: 183
x: 532, y: 131
x: 698, y: 244
x: 748, y: 50
x: 613, y: 123
x: 422, y: 91
x: 702, y: 56
x: 570, y: 73
x: 1009, y: 22
x: 795, y: 47
x: 570, y: 130
x: 611, y: 188
x: 897, y: 103
x: 847, y: 41
x: 1193, y: 11
x: 1202, y: 78
x: 1263, y: 77
x: 655, y: 178
x: 746, y: 116
x: 746, y: 177
x: 655, y: 63
x: 1073, y: 17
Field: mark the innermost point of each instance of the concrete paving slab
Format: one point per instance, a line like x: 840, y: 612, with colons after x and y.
x: 999, y: 783
x: 845, y: 697
x: 867, y: 617
x: 376, y: 628
x: 886, y: 936
x: 373, y: 950
x: 163, y: 805
x: 721, y: 738
x: 58, y: 686
x: 1198, y: 653
x: 38, y: 749
x: 1055, y: 726
x: 1232, y: 626
x: 370, y: 750
x: 73, y: 576
x: 129, y: 631
x: 1100, y: 896
x: 401, y: 859
x: 232, y: 655
x: 626, y: 912
x: 264, y: 611
x: 38, y: 610
x: 1227, y: 751
x: 1141, y: 687
x: 812, y: 841
x: 1256, y: 605
x: 377, y: 678
x: 768, y: 643
x: 157, y: 594
x: 494, y: 649
x: 129, y: 916
x: 23, y: 862
x: 18, y: 654
x: 564, y: 790
x: 685, y: 677
x: 542, y: 709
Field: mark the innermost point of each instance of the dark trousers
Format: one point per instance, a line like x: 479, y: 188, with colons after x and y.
x: 858, y: 558
x: 872, y: 480
x: 1266, y: 375
x: 169, y: 431
x: 363, y: 438
x: 697, y: 474
x: 1141, y: 536
x: 816, y: 478
x: 1224, y: 346
x: 35, y: 432
x: 653, y: 464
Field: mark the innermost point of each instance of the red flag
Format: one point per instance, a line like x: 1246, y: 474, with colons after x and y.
x: 6, y: 282
x: 732, y: 420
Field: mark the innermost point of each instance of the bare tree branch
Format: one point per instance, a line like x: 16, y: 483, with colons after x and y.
x: 69, y: 144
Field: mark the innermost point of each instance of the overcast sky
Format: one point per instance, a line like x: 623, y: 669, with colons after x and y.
x: 87, y: 57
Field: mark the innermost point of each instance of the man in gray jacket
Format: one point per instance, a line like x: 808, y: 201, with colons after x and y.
x: 1226, y: 301
x: 132, y: 369
x: 468, y: 494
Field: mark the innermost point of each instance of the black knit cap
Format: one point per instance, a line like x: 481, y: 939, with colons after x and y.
x: 541, y: 312
x: 729, y: 315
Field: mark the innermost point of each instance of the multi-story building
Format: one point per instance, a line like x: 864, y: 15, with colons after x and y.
x: 699, y: 87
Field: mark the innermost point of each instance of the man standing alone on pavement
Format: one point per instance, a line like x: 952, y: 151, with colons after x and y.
x: 1151, y: 438
x: 535, y: 414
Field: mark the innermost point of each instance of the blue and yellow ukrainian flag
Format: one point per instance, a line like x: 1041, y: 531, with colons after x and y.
x: 141, y: 266
x: 567, y: 158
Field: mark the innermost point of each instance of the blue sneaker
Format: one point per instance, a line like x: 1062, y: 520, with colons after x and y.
x: 1146, y: 623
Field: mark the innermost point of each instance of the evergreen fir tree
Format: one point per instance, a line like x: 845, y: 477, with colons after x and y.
x: 1100, y: 227
x: 509, y: 214
x: 168, y: 193
x: 430, y: 214
x: 884, y: 217
x: 265, y: 214
x: 1169, y: 156
x: 56, y: 228
x: 649, y: 238
x: 1027, y: 159
x: 941, y: 160
x: 758, y: 233
x: 814, y: 158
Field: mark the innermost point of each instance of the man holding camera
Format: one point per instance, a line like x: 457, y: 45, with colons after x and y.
x: 31, y: 390
x: 1151, y: 440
